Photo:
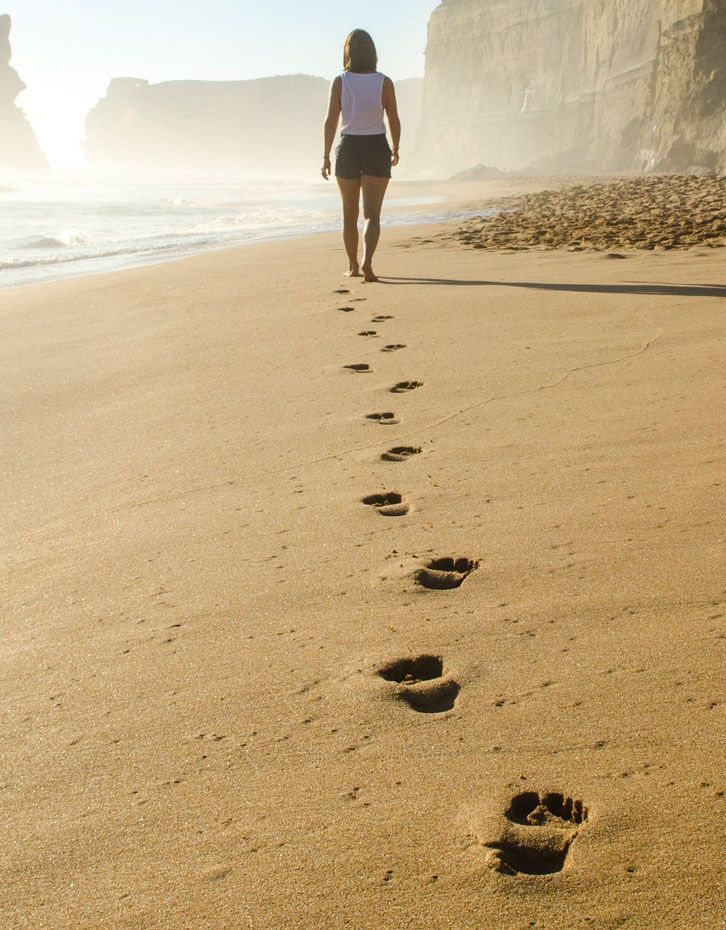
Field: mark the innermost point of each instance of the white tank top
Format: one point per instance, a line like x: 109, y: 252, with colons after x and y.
x: 362, y: 104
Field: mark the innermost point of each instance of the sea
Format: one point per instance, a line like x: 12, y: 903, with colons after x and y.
x: 58, y: 227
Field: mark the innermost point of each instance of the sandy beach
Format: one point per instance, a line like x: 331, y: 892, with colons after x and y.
x: 237, y: 696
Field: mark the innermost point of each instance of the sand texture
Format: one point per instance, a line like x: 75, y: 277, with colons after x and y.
x: 644, y: 213
x: 332, y: 605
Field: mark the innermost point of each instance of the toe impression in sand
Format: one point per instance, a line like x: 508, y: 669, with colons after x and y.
x: 534, y: 833
x: 403, y: 386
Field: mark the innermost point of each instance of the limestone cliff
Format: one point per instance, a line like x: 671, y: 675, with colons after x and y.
x: 615, y: 85
x: 266, y: 127
x: 19, y: 150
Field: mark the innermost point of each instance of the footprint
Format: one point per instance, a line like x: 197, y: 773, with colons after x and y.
x: 360, y: 368
x: 341, y: 290
x: 447, y: 573
x: 387, y: 419
x: 347, y: 309
x: 368, y: 332
x: 404, y: 386
x: 537, y: 833
x: 394, y: 347
x: 381, y: 318
x: 388, y: 505
x: 423, y: 683
x: 400, y: 453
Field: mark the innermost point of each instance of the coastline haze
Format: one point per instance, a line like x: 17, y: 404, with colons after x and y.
x: 68, y: 55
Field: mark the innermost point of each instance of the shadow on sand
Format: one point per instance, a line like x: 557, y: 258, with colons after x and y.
x: 658, y: 290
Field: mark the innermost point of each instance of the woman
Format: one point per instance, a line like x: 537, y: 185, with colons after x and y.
x: 363, y: 159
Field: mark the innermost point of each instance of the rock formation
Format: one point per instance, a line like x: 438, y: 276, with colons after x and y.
x: 19, y: 150
x: 611, y: 85
x: 266, y: 127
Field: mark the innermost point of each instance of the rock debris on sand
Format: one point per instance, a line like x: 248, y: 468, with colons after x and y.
x: 657, y: 212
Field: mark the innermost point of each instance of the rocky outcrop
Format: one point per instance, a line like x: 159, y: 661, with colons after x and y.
x: 611, y: 85
x: 19, y: 150
x: 266, y: 127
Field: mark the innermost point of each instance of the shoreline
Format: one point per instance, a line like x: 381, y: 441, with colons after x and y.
x: 515, y: 226
x: 207, y: 604
x: 401, y: 212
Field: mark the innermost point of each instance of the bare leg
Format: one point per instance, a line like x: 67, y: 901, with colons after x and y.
x: 374, y: 190
x: 350, y: 194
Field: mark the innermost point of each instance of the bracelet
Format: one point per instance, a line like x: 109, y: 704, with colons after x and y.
x: 326, y: 157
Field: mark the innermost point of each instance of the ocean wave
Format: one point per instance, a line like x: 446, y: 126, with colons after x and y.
x: 72, y: 239
x: 66, y: 229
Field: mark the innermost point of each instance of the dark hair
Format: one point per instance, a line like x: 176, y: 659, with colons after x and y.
x: 359, y: 52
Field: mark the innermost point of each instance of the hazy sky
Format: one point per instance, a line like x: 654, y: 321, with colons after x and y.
x: 66, y: 51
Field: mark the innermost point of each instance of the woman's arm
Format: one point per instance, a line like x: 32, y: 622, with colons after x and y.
x: 394, y: 123
x: 331, y: 124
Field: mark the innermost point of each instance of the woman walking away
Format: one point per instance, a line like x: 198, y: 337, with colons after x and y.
x: 364, y: 158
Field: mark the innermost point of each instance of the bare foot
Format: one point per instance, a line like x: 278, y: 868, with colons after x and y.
x: 353, y: 272
x: 368, y: 274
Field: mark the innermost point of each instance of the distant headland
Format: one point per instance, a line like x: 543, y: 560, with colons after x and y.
x: 19, y: 151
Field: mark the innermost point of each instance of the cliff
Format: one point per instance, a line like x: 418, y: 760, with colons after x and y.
x: 19, y: 150
x: 610, y: 85
x: 266, y: 127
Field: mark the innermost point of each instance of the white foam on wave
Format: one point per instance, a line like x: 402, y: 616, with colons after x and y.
x: 65, y: 227
x: 68, y: 239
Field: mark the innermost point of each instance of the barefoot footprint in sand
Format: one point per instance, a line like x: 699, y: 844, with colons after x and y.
x: 386, y: 419
x: 400, y: 453
x: 422, y: 682
x: 403, y: 386
x: 390, y: 504
x: 533, y: 835
x: 445, y: 574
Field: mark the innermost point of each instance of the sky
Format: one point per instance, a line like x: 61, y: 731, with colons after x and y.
x: 66, y: 51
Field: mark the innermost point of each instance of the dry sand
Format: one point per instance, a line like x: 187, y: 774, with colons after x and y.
x: 198, y: 607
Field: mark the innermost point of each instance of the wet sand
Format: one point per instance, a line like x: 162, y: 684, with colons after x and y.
x: 237, y: 695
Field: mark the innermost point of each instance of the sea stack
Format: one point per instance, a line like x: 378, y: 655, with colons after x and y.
x: 19, y: 151
x: 569, y: 85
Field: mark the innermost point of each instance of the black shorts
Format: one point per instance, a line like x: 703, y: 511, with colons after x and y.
x: 358, y: 155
